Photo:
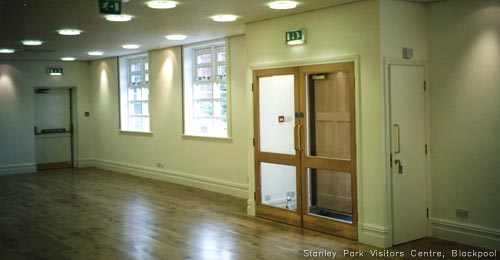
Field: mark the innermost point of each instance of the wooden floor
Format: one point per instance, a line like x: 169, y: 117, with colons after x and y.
x: 96, y: 214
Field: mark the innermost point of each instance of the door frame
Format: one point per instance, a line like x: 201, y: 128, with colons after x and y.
x: 387, y: 142
x: 252, y: 202
x: 73, y: 119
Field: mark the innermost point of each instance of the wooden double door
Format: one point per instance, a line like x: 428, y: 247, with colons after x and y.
x: 305, y: 147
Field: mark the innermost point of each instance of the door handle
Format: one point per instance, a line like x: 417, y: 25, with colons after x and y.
x: 400, y: 166
x: 398, y: 138
x: 298, y: 137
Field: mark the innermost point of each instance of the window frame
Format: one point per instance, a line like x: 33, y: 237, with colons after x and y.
x: 126, y: 107
x: 191, y: 79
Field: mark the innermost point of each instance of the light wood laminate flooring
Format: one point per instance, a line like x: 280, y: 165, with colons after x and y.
x: 96, y: 214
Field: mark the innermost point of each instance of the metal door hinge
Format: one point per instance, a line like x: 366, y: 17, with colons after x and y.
x: 255, y: 195
x: 390, y: 159
x: 426, y: 149
x: 252, y: 87
x: 253, y: 140
x: 427, y: 212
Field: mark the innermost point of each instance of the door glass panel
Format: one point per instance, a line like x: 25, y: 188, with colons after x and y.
x: 278, y: 185
x: 329, y: 194
x: 277, y: 107
x: 328, y: 109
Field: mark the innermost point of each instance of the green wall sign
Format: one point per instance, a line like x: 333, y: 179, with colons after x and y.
x: 295, y: 37
x: 110, y: 6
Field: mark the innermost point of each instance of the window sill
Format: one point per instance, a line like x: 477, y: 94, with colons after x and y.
x: 128, y: 132
x: 208, y: 138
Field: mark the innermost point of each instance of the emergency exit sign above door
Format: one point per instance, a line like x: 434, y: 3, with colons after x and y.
x: 295, y: 37
x: 110, y: 6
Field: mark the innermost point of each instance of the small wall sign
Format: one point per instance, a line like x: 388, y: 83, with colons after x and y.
x: 55, y: 71
x: 295, y: 37
x: 110, y: 6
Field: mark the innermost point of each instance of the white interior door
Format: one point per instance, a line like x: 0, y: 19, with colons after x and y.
x: 409, y: 171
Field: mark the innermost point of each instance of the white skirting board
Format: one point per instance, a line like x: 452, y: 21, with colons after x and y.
x: 17, y: 168
x: 375, y: 235
x: 466, y: 233
x: 221, y: 186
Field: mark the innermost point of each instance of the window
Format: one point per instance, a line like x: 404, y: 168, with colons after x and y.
x: 134, y: 94
x: 206, y: 90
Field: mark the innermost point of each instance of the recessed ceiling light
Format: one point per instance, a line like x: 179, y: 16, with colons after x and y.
x: 118, y: 17
x: 176, y: 37
x: 32, y: 42
x: 282, y: 5
x: 7, y: 51
x: 130, y: 46
x: 95, y: 53
x: 161, y: 4
x: 68, y: 59
x: 224, y: 18
x: 69, y: 32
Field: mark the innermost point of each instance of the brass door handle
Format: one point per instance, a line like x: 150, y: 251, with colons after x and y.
x: 298, y: 136
x: 398, y: 139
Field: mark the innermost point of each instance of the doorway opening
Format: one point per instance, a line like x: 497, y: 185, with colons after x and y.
x: 54, y: 129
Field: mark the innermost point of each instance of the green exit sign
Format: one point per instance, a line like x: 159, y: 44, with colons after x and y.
x: 55, y: 71
x: 295, y: 37
x: 110, y: 6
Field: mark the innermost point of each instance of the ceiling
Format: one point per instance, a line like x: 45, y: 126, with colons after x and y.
x: 40, y: 19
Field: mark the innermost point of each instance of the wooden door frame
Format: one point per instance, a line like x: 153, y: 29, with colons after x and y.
x: 266, y: 211
x: 387, y: 134
x: 252, y: 202
x: 314, y: 222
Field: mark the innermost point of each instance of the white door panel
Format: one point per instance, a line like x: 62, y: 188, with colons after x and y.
x: 409, y: 173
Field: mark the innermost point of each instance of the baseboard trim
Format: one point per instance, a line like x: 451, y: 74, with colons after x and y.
x: 84, y: 162
x: 375, y: 235
x: 466, y: 233
x: 17, y: 168
x: 221, y: 186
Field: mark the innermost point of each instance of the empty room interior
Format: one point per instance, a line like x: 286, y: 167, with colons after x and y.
x: 232, y: 129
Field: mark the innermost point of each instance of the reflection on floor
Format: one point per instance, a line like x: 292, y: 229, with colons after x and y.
x: 97, y: 214
x: 324, y: 212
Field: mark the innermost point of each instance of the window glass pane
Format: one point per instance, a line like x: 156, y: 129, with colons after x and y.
x: 221, y: 71
x: 202, y: 91
x: 278, y: 185
x: 145, y: 94
x: 146, y: 77
x: 203, y: 125
x: 203, y: 58
x: 134, y: 94
x: 203, y: 108
x: 135, y: 66
x: 135, y: 79
x: 329, y: 116
x: 204, y: 73
x: 221, y: 55
x: 220, y: 108
x: 146, y: 65
x: 330, y: 194
x: 220, y: 90
x: 137, y: 108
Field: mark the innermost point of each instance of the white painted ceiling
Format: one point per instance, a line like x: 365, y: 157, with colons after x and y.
x: 39, y: 19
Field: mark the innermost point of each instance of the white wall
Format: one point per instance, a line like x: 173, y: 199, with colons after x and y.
x: 402, y: 24
x: 17, y: 81
x: 465, y: 120
x: 213, y: 164
x: 347, y: 30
